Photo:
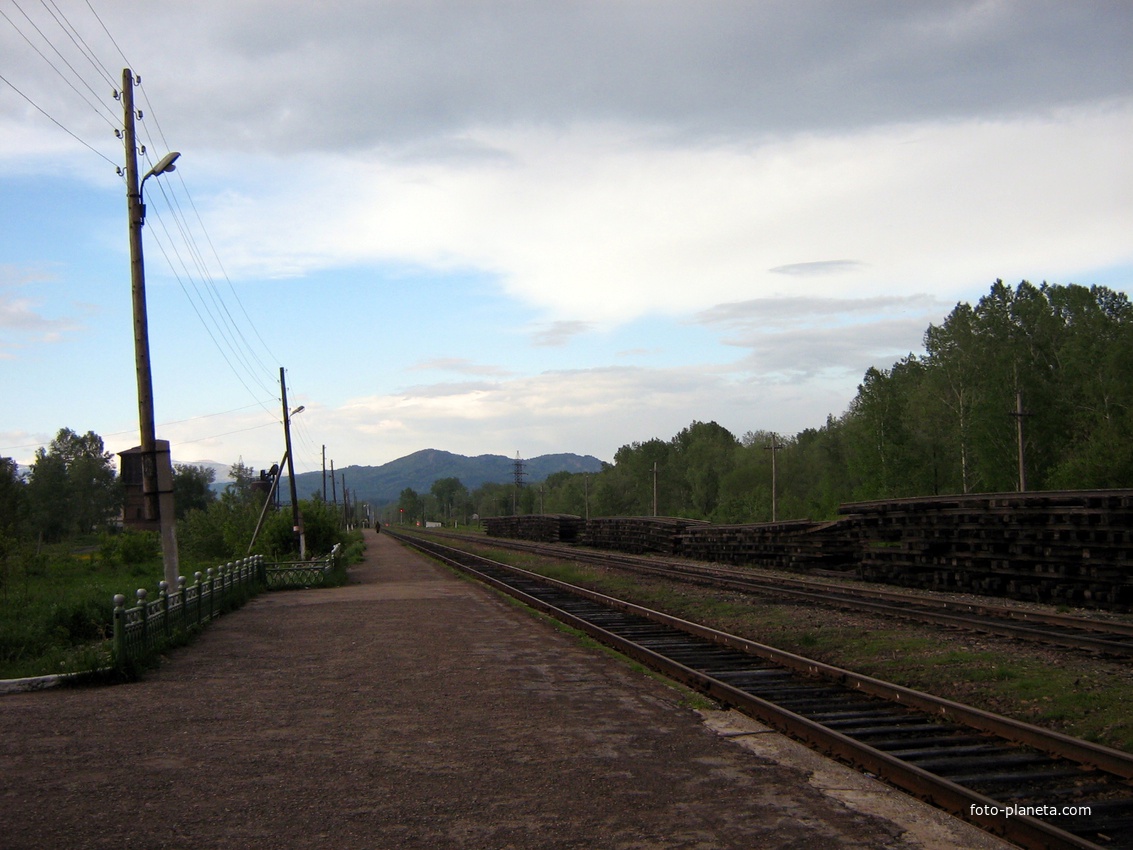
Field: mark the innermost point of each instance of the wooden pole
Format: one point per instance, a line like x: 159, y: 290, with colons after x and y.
x: 296, y: 519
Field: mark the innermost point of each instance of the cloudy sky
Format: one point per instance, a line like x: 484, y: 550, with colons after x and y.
x: 501, y: 227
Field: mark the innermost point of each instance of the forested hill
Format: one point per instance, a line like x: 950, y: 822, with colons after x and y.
x: 418, y: 471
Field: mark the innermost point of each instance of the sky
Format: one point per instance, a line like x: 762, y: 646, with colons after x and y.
x: 522, y: 228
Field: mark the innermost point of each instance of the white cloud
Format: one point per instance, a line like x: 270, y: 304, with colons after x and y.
x: 458, y: 365
x: 599, y: 224
x: 589, y: 411
x: 23, y: 318
x: 796, y: 340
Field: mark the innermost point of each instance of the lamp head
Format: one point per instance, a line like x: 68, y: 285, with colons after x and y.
x: 166, y: 163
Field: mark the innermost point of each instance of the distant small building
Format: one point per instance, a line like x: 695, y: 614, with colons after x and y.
x: 131, y: 463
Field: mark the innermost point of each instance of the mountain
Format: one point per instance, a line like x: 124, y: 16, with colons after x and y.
x: 382, y: 484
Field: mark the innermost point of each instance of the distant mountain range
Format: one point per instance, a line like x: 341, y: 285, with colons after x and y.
x: 380, y: 485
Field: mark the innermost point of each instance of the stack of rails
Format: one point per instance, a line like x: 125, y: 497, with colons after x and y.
x: 827, y: 546
x: 1073, y: 547
x: 638, y: 535
x: 758, y: 544
x: 544, y: 528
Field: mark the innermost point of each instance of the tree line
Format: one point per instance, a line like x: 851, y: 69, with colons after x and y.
x: 73, y: 491
x: 1047, y: 363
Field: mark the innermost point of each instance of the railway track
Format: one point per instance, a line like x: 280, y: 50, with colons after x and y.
x: 1108, y: 637
x: 1031, y: 786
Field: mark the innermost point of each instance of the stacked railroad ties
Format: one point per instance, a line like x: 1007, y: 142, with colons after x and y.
x: 1073, y: 547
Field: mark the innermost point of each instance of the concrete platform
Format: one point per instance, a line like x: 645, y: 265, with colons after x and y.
x: 414, y: 709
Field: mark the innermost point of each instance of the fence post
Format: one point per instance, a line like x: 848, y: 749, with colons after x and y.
x: 120, y: 631
x: 212, y: 591
x: 163, y: 595
x: 261, y: 570
x: 141, y: 594
x: 197, y: 581
x: 181, y: 612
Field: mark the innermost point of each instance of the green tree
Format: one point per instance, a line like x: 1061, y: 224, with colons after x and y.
x: 73, y: 486
x: 192, y: 488
x: 449, y: 493
x: 410, y: 506
x: 705, y: 453
x: 94, y: 484
x: 13, y: 498
x: 224, y: 529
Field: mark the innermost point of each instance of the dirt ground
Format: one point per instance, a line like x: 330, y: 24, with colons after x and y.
x: 412, y: 709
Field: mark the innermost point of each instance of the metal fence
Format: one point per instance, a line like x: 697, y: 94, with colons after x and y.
x: 150, y: 624
x: 289, y: 574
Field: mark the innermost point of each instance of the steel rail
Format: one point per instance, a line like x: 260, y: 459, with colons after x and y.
x: 1110, y: 637
x: 1100, y: 765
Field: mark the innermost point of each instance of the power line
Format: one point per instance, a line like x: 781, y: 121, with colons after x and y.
x: 79, y: 41
x: 57, y: 123
x: 95, y: 106
x: 178, y: 241
x: 228, y: 330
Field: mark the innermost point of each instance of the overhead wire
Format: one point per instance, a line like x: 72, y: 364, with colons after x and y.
x: 228, y: 331
x: 96, y: 105
x: 209, y: 304
x: 212, y: 246
x: 58, y: 123
x: 78, y: 40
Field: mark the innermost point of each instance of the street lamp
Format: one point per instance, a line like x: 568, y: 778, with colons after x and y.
x: 157, y: 476
x: 164, y: 165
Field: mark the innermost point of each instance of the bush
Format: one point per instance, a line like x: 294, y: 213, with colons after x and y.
x: 82, y: 620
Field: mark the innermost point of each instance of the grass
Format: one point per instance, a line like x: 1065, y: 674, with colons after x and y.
x: 1072, y: 693
x: 56, y: 606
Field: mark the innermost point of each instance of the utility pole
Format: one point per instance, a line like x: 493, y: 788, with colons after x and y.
x: 773, y: 448
x: 654, y: 488
x: 296, y: 519
x: 324, y: 474
x: 1020, y: 415
x: 157, y: 473
x: 333, y: 486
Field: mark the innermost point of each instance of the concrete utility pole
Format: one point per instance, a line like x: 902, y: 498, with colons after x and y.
x: 296, y: 519
x: 324, y: 474
x: 157, y: 468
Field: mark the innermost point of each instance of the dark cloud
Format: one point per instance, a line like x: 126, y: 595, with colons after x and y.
x: 358, y: 73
